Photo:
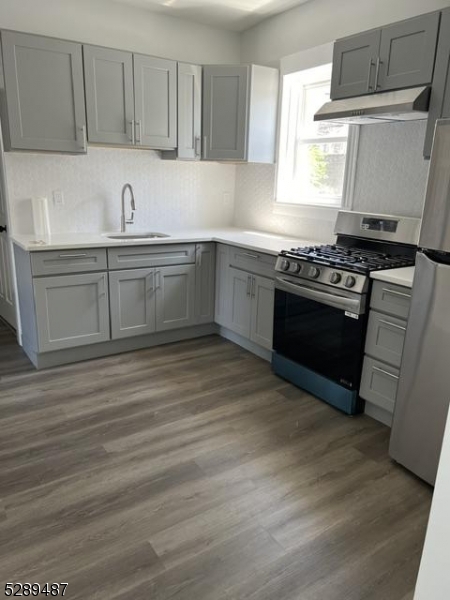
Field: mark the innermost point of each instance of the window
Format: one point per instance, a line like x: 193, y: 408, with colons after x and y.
x: 313, y: 156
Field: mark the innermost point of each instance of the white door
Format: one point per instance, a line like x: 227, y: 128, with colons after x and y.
x: 7, y: 305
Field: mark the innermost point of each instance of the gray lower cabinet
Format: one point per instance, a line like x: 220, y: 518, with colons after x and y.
x: 222, y: 305
x: 71, y: 310
x: 239, y: 113
x: 205, y: 267
x: 108, y: 77
x: 133, y: 302
x: 175, y: 297
x: 44, y: 90
x: 155, y: 101
x: 386, y: 329
x: 251, y: 300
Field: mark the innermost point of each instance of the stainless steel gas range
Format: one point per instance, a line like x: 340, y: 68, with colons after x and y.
x: 321, y: 303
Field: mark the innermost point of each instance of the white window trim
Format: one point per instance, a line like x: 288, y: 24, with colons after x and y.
x: 315, y: 57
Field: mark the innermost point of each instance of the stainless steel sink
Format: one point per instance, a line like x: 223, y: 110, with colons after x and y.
x: 152, y: 235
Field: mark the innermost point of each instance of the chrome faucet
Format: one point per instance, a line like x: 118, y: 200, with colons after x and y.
x: 123, y: 220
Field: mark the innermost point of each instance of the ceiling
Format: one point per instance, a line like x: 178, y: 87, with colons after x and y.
x: 236, y: 15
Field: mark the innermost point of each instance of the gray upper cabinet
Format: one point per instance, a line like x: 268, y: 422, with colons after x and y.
x: 155, y: 101
x: 108, y: 76
x: 354, y: 63
x: 205, y: 268
x: 239, y: 113
x: 407, y: 52
x: 133, y: 302
x: 175, y: 297
x: 43, y: 79
x: 440, y: 91
x: 71, y: 310
x: 396, y: 56
x: 189, y: 111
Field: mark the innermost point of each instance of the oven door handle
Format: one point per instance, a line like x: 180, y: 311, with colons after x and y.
x: 353, y: 305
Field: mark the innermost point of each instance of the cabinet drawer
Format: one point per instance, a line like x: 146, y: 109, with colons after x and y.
x: 379, y: 383
x: 252, y: 261
x: 390, y: 298
x: 385, y: 338
x: 151, y: 256
x: 54, y: 262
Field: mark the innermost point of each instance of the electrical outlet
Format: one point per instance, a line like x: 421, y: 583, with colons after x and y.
x: 58, y: 198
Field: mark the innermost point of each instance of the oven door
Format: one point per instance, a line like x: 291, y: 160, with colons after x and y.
x: 321, y: 329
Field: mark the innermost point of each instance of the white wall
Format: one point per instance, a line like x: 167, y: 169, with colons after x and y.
x: 390, y: 178
x: 320, y: 21
x: 434, y: 574
x: 169, y: 195
x: 108, y: 23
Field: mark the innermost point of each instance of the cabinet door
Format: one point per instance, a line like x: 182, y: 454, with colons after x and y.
x: 175, y: 297
x: 155, y: 98
x: 241, y: 301
x: 354, y: 60
x: 189, y: 111
x: 205, y: 268
x: 225, y: 112
x: 45, y: 93
x: 263, y: 297
x: 71, y: 310
x: 223, y: 296
x: 440, y: 91
x: 407, y: 52
x: 108, y: 77
x: 132, y: 301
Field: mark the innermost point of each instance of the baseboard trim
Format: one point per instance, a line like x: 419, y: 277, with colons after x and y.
x: 245, y: 343
x: 56, y: 358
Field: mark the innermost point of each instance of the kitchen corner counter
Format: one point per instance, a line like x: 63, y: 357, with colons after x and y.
x: 403, y: 276
x: 258, y: 241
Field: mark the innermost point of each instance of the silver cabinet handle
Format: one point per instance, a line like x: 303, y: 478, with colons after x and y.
x: 396, y: 293
x: 249, y: 285
x: 392, y: 324
x: 253, y: 287
x: 72, y: 255
x: 250, y: 255
x: 377, y: 73
x: 139, y: 128
x: 102, y: 287
x: 385, y: 372
x: 205, y: 146
x: 84, y: 138
x: 133, y: 132
x: 198, y: 146
x: 152, y: 275
x: 199, y: 257
x: 158, y: 281
x: 371, y: 63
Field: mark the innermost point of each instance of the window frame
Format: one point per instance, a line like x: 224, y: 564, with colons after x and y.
x: 312, y: 58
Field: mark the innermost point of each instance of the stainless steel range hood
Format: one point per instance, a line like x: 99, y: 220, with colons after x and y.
x: 384, y: 107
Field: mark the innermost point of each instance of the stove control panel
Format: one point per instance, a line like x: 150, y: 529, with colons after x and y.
x: 334, y: 278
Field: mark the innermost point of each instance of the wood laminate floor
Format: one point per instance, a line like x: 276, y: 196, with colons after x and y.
x: 191, y: 472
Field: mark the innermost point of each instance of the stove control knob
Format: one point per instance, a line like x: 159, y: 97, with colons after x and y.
x: 314, y: 272
x: 335, y: 277
x: 350, y: 281
x: 296, y: 268
x: 284, y: 264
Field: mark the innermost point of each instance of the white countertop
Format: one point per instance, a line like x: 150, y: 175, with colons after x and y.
x: 270, y: 243
x: 403, y: 276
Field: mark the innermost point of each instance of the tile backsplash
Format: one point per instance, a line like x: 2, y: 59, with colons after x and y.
x: 169, y: 194
x: 391, y: 177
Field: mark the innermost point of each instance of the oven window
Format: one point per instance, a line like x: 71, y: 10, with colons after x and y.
x: 319, y: 337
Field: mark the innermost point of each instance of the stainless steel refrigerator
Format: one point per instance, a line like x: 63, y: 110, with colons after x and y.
x: 423, y: 394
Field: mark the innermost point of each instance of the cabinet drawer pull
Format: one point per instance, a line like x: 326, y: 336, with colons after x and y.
x: 250, y: 255
x: 385, y: 372
x: 198, y: 146
x: 72, y: 255
x: 396, y: 293
x: 377, y: 73
x: 371, y: 63
x: 392, y: 324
